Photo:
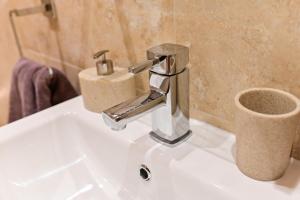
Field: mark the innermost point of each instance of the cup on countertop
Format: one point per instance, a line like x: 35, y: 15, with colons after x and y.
x: 266, y: 124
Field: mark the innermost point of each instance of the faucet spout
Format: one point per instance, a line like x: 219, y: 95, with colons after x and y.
x: 168, y: 99
x: 118, y: 116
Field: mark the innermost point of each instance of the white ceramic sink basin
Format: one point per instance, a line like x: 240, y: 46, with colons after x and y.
x: 67, y: 153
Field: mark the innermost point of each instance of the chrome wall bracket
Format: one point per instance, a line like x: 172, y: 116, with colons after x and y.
x: 47, y: 7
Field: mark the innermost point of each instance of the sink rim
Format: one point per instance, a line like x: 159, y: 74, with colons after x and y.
x: 229, y: 179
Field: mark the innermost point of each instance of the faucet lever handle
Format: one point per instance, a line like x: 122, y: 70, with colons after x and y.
x: 148, y: 64
x: 142, y: 66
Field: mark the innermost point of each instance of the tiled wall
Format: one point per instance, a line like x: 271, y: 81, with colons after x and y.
x: 7, y: 59
x: 235, y: 44
x: 126, y: 28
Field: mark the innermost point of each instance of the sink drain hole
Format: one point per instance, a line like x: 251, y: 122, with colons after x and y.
x: 145, y: 173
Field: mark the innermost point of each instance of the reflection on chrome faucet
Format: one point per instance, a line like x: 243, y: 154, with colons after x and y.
x: 168, y: 99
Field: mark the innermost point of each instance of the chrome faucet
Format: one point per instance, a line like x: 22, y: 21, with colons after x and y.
x: 168, y: 99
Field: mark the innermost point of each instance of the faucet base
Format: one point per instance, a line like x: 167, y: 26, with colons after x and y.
x: 171, y: 143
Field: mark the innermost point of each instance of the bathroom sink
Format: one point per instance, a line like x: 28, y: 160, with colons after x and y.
x: 67, y: 153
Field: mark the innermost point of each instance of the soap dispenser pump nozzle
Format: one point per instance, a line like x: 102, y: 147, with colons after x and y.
x: 104, y: 66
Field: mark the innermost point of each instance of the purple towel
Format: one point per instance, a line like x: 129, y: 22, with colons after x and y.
x: 34, y: 89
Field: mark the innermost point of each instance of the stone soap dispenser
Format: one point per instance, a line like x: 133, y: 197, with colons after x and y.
x: 104, y: 86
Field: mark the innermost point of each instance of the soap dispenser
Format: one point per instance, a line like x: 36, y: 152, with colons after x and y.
x: 105, y: 85
x: 104, y: 66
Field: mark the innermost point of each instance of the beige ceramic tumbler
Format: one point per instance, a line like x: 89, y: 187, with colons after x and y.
x: 266, y: 123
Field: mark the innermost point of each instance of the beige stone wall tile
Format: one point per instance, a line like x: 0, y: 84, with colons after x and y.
x: 237, y: 45
x: 234, y: 44
x: 126, y: 28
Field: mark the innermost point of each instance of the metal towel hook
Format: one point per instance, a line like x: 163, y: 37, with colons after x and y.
x: 47, y: 8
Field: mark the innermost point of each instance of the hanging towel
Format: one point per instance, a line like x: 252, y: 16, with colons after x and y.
x: 34, y: 88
